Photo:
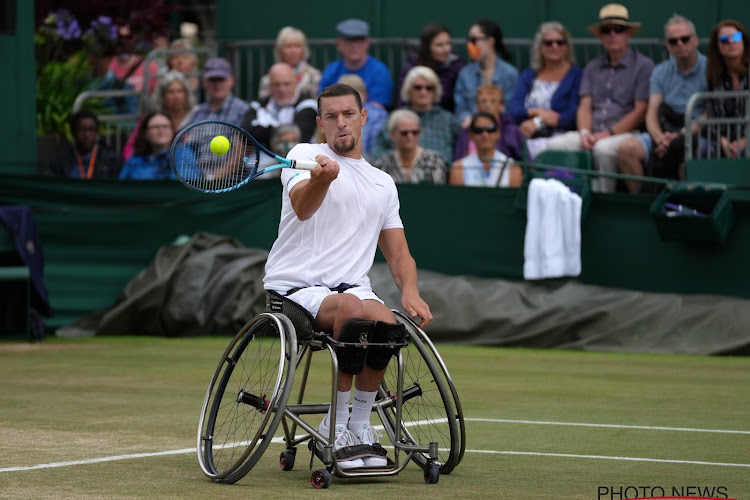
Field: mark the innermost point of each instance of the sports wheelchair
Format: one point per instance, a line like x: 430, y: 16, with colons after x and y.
x: 248, y: 396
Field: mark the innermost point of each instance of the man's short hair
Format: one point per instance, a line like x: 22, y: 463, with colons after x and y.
x: 83, y: 114
x: 338, y: 90
x: 678, y: 19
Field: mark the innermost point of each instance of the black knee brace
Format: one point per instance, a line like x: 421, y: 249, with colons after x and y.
x: 384, y: 333
x: 352, y: 359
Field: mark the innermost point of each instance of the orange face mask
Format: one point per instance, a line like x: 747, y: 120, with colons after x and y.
x: 473, y: 51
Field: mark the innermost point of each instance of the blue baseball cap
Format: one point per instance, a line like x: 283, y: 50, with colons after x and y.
x: 353, y: 28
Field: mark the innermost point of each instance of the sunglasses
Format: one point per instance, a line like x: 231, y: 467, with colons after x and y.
x: 478, y: 130
x: 407, y: 133
x: 617, y: 28
x: 683, y: 39
x: 475, y: 39
x: 428, y: 88
x: 737, y: 37
x: 559, y: 43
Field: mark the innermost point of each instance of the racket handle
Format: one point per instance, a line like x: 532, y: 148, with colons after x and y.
x: 303, y: 164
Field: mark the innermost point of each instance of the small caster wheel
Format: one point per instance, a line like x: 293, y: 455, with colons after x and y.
x: 321, y: 479
x: 432, y: 473
x: 286, y: 460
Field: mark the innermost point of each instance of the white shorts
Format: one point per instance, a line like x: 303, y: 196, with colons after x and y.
x: 312, y: 297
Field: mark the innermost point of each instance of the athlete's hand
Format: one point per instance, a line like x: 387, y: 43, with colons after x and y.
x: 326, y: 171
x: 416, y: 307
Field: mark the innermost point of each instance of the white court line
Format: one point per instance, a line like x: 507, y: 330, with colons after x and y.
x: 612, y: 426
x: 496, y: 452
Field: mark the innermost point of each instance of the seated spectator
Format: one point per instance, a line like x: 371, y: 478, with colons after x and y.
x: 422, y: 91
x: 151, y: 158
x: 510, y: 143
x: 102, y: 78
x: 376, y: 113
x: 86, y: 158
x: 291, y: 48
x: 220, y: 104
x: 672, y: 83
x: 129, y: 67
x: 546, y: 97
x: 186, y: 63
x: 436, y: 52
x: 485, y: 48
x: 728, y: 58
x: 488, y: 167
x: 283, y: 139
x: 410, y: 162
x: 353, y: 42
x: 285, y: 106
x: 613, y: 96
x: 172, y: 97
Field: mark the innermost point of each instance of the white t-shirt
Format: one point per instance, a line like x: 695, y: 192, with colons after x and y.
x: 338, y: 243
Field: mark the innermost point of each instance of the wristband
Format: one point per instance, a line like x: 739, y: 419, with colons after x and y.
x: 584, y: 131
x: 539, y: 122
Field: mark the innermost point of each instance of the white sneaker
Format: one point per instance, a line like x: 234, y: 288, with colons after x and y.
x: 343, y: 437
x: 364, y: 434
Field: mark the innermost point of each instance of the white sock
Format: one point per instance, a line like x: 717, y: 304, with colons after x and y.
x: 342, y: 409
x: 361, y: 408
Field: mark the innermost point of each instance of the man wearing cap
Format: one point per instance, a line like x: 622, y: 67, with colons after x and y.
x: 672, y: 83
x: 220, y: 104
x: 353, y: 42
x: 285, y: 106
x: 614, y: 95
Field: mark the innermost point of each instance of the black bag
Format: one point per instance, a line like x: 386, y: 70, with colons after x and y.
x: 669, y: 119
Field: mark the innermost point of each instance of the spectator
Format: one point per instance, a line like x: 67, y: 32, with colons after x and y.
x: 613, y: 96
x: 422, y: 90
x: 285, y: 105
x: 221, y: 105
x: 376, y: 113
x: 546, y: 98
x: 284, y: 138
x: 490, y: 99
x: 488, y: 167
x: 291, y: 48
x: 436, y: 52
x: 353, y: 42
x: 186, y: 63
x: 672, y: 83
x: 102, y: 78
x: 489, y: 55
x: 410, y: 162
x: 151, y: 158
x: 727, y: 69
x: 171, y: 97
x: 86, y: 158
x: 130, y: 68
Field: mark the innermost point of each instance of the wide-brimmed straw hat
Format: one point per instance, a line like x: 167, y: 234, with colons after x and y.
x: 614, y: 13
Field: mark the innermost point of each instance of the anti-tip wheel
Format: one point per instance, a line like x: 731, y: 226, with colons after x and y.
x: 321, y: 479
x: 432, y: 473
x: 286, y: 460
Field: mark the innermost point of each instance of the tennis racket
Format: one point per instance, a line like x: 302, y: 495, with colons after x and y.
x: 217, y: 157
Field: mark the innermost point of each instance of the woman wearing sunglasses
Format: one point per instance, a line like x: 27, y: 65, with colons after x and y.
x: 488, y: 167
x: 728, y: 58
x: 546, y: 96
x: 486, y: 49
x: 422, y: 91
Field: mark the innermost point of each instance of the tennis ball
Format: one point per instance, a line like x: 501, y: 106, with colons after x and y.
x: 219, y: 145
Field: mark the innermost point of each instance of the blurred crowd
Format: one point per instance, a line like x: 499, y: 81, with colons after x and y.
x: 444, y: 119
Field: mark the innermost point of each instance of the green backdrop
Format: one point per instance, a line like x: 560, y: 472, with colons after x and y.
x: 97, y: 235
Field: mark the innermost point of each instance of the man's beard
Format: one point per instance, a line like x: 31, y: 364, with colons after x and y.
x: 344, y: 145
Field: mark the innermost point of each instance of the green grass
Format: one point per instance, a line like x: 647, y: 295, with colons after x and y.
x: 67, y: 400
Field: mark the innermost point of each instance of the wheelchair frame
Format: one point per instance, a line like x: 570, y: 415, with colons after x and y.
x: 248, y: 395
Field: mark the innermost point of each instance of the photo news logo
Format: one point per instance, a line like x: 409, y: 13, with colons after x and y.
x: 655, y: 492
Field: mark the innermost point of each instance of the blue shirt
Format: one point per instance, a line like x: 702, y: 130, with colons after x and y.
x: 154, y: 167
x: 232, y: 111
x: 470, y: 79
x: 374, y: 73
x: 676, y: 87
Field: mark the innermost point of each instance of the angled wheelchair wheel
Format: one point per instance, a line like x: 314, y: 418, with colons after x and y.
x: 246, y: 398
x: 431, y: 410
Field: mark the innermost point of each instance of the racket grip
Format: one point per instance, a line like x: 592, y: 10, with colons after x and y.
x: 303, y: 164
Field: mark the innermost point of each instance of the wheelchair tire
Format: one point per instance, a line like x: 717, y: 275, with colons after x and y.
x: 246, y: 397
x: 431, y: 410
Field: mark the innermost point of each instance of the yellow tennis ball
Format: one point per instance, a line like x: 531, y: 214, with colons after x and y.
x: 219, y: 145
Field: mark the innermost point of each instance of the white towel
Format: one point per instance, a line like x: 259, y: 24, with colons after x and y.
x: 552, y: 244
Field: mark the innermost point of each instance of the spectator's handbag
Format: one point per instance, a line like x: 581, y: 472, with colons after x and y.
x: 669, y: 119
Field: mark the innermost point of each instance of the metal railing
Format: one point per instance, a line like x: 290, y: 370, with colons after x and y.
x: 702, y: 134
